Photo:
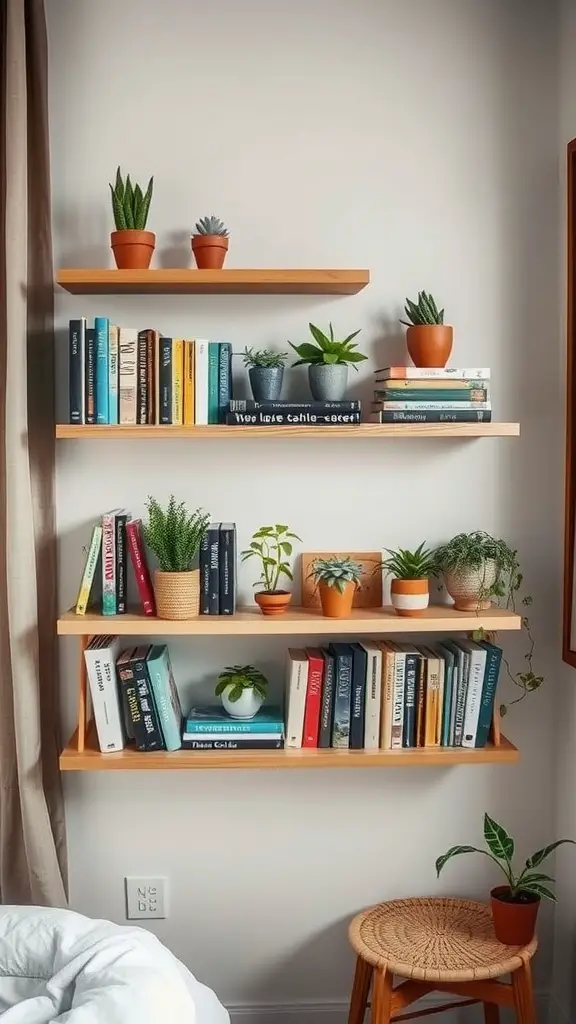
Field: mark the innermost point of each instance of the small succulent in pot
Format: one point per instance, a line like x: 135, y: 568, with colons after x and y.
x: 411, y: 571
x: 514, y: 905
x: 337, y: 578
x: 243, y: 690
x: 328, y: 362
x: 174, y: 535
x: 428, y: 338
x: 210, y: 243
x: 131, y: 244
x: 272, y: 545
x: 266, y: 373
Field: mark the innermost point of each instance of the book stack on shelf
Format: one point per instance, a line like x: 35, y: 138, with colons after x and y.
x: 210, y: 728
x: 218, y: 570
x: 412, y: 394
x: 248, y: 413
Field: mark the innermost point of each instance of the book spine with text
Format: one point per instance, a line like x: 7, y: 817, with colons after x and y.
x: 224, y: 379
x: 142, y: 384
x: 77, y: 369
x: 151, y: 346
x: 409, y: 731
x: 358, y: 696
x: 101, y: 671
x: 89, y: 571
x: 90, y: 375
x: 205, y: 574
x: 213, y: 377
x: 227, y: 568
x: 474, y: 695
x: 294, y: 417
x: 109, y: 564
x: 342, y: 695
x: 249, y: 405
x: 422, y: 372
x: 373, y: 695
x: 127, y: 680
x: 214, y: 564
x: 189, y: 412
x: 165, y: 380
x: 154, y: 738
x: 113, y: 373
x: 428, y: 399
x: 196, y: 743
x: 201, y: 381
x: 165, y: 695
x: 101, y: 329
x: 463, y: 678
x: 121, y: 574
x: 178, y: 381
x: 493, y: 661
x: 327, y: 704
x: 311, y: 728
x: 398, y: 700
x: 430, y: 416
x: 140, y: 567
x: 296, y: 687
x: 128, y: 389
x: 433, y: 407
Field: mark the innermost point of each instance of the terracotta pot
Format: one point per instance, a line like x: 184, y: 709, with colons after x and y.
x: 209, y: 251
x: 336, y: 605
x: 133, y: 249
x: 514, y: 923
x: 274, y: 603
x: 464, y: 586
x: 429, y: 344
x: 177, y: 594
x: 410, y: 597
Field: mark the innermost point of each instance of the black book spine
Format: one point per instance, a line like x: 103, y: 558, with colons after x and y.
x: 358, y: 697
x: 165, y: 380
x: 224, y: 744
x: 227, y: 553
x: 292, y: 417
x: 343, y: 655
x: 435, y: 416
x: 205, y: 575
x: 249, y: 405
x: 77, y: 341
x: 121, y: 521
x: 327, y: 705
x: 410, y: 682
x: 142, y: 380
x: 90, y: 375
x: 154, y: 739
x: 214, y: 565
x: 135, y: 726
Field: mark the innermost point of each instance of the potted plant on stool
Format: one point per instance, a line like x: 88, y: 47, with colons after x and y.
x: 210, y: 243
x: 428, y: 338
x: 131, y: 244
x: 273, y: 546
x: 514, y: 905
x: 409, y: 590
x: 243, y: 690
x: 266, y: 373
x: 328, y: 362
x: 174, y: 535
x: 476, y: 567
x: 337, y: 578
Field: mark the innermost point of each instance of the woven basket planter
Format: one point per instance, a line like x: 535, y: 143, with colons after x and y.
x: 177, y: 594
x: 465, y: 586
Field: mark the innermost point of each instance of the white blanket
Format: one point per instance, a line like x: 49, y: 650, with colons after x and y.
x: 57, y: 966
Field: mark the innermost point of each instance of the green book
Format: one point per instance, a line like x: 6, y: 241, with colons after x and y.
x: 213, y: 382
x: 437, y: 395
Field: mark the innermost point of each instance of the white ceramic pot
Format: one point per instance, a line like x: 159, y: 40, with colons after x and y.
x: 247, y: 706
x: 464, y: 586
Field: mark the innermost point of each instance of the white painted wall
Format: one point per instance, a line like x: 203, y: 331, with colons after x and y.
x: 417, y: 138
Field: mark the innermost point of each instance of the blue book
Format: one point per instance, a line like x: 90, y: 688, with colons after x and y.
x: 491, y: 673
x: 343, y: 657
x: 215, y: 719
x: 213, y: 381
x: 224, y: 380
x: 449, y: 661
x: 101, y: 329
x: 165, y: 695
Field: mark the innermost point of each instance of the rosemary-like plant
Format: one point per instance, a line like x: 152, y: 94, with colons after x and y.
x: 130, y: 204
x: 240, y: 678
x: 174, y: 534
x: 409, y: 565
x: 263, y: 358
x: 328, y: 349
x: 272, y: 545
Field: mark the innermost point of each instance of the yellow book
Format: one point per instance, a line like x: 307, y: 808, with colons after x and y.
x: 189, y: 410
x: 387, y: 695
x: 177, y: 381
x: 89, y: 571
x: 433, y: 701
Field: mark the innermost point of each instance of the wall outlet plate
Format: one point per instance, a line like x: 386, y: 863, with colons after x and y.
x: 146, y: 898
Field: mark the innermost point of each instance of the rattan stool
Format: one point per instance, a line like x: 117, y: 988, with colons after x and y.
x: 443, y: 945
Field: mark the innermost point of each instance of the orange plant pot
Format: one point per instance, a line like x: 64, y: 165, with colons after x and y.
x: 209, y: 251
x: 336, y: 605
x: 132, y: 249
x: 410, y: 598
x: 429, y: 344
x: 514, y: 923
x: 274, y: 603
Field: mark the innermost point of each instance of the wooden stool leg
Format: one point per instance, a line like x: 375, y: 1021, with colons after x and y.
x: 524, y: 995
x: 491, y: 1013
x: 360, y: 990
x: 381, y: 996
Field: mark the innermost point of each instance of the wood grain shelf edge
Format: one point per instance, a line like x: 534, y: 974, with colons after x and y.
x: 319, y: 281
x: 84, y: 432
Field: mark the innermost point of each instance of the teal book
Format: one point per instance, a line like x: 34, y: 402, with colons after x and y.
x: 224, y: 380
x: 479, y: 394
x: 458, y: 692
x: 492, y: 671
x: 213, y: 381
x: 449, y: 660
x: 101, y: 329
x: 215, y: 719
x: 165, y: 695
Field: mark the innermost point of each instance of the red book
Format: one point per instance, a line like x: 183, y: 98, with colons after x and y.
x: 140, y: 566
x: 313, y: 697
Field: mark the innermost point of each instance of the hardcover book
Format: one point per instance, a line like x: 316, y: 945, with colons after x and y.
x: 358, y: 696
x: 412, y: 665
x: 205, y: 574
x: 294, y: 418
x: 388, y: 677
x: 296, y: 687
x: 373, y: 694
x: 311, y: 729
x: 89, y: 571
x: 178, y: 381
x: 224, y: 379
x: 343, y: 656
x: 128, y: 389
x: 474, y: 692
x: 101, y: 329
x: 113, y: 373
x: 121, y: 568
x: 440, y: 373
x: 165, y: 345
x: 127, y: 681
x: 398, y: 697
x: 142, y: 378
x: 214, y: 719
x: 90, y: 375
x: 189, y: 412
x: 433, y: 700
x: 109, y: 562
x: 432, y: 416
x: 227, y: 568
x: 201, y: 381
x: 76, y: 369
x: 140, y: 566
x: 100, y: 658
x: 447, y: 654
x: 327, y: 704
x: 226, y: 743
x: 213, y: 381
x: 249, y: 405
x: 154, y: 739
x: 493, y: 662
x: 213, y: 533
x: 165, y: 695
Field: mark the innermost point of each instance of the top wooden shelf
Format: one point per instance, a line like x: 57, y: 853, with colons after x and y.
x: 224, y: 282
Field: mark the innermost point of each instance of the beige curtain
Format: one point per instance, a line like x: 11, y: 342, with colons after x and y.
x: 32, y: 837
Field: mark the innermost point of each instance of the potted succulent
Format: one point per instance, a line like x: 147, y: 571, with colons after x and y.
x: 266, y: 373
x: 337, y: 578
x: 243, y: 690
x: 272, y: 545
x: 428, y: 338
x: 514, y: 905
x: 174, y: 535
x: 328, y: 362
x: 411, y: 570
x: 477, y: 567
x: 132, y: 245
x: 210, y: 243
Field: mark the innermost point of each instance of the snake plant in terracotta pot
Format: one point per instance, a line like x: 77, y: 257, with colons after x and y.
x: 337, y: 577
x: 174, y: 535
x: 328, y: 362
x: 131, y: 244
x: 272, y: 547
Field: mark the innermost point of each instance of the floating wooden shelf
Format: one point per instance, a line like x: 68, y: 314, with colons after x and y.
x: 91, y: 760
x: 295, y: 622
x: 362, y: 431
x: 94, y: 281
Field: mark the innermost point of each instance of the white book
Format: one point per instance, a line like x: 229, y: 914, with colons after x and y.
x: 373, y: 695
x: 439, y: 373
x: 296, y: 687
x: 388, y: 671
x: 113, y: 373
x: 128, y: 376
x: 434, y: 406
x: 474, y: 693
x: 398, y: 698
x: 201, y: 381
x: 100, y: 658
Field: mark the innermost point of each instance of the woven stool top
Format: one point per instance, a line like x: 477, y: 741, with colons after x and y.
x: 435, y: 940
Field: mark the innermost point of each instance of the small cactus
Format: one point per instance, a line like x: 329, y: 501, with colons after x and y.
x: 211, y: 226
x: 425, y: 311
x: 130, y: 204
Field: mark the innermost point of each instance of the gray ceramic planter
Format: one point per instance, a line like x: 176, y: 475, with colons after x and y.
x: 328, y: 381
x: 266, y: 382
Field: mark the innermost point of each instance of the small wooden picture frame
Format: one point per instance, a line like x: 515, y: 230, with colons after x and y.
x: 368, y: 594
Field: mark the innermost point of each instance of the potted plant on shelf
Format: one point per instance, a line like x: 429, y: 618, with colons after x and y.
x: 411, y: 570
x: 328, y: 362
x: 273, y: 546
x: 174, y: 535
x: 210, y: 243
x: 428, y: 338
x: 243, y: 690
x: 132, y: 245
x: 514, y: 905
x: 477, y: 567
x: 337, y: 578
x: 266, y: 373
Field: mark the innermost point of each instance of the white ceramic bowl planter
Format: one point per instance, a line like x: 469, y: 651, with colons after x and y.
x: 243, y: 690
x: 247, y: 705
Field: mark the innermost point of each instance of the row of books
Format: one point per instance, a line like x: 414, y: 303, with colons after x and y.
x: 248, y: 413
x: 218, y: 576
x: 411, y: 394
x: 122, y: 375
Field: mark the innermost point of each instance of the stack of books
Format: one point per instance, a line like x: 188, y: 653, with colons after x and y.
x: 412, y: 394
x: 246, y: 413
x: 210, y: 728
x: 218, y: 577
x: 107, y: 560
x: 130, y: 377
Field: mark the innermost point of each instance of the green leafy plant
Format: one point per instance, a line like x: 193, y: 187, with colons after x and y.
x: 273, y: 546
x: 263, y: 358
x: 240, y: 678
x: 327, y: 349
x: 529, y: 882
x: 424, y: 311
x: 336, y: 571
x: 130, y: 204
x: 174, y: 534
x: 210, y: 226
x: 409, y: 565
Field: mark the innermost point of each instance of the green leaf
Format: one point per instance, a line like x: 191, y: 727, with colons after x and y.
x: 330, y: 358
x: 454, y: 851
x: 500, y: 844
x: 541, y: 855
x: 119, y: 185
x: 146, y: 202
x: 286, y: 547
x: 235, y: 693
x: 537, y: 890
x: 319, y: 337
x: 350, y: 336
x: 118, y: 211
x: 128, y: 203
x: 281, y: 529
x: 138, y: 208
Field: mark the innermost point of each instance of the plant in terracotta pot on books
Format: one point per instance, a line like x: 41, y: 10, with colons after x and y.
x: 265, y: 372
x: 243, y: 690
x: 410, y: 571
x: 328, y: 362
x: 337, y: 578
x: 174, y: 535
x: 210, y: 243
x: 428, y: 338
x: 515, y: 904
x: 272, y: 546
x: 132, y: 245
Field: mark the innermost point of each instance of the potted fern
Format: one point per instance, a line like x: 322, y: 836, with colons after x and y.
x: 174, y: 535
x: 272, y: 547
x: 337, y: 578
x: 210, y: 243
x: 328, y: 362
x: 132, y: 245
x: 411, y: 570
x: 266, y: 373
x: 243, y: 690
x: 428, y: 338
